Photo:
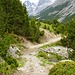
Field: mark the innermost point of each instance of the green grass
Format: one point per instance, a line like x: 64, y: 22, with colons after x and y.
x: 21, y: 61
x: 63, y: 68
x: 21, y: 46
x: 5, y: 69
x: 45, y: 62
x: 43, y: 24
x: 48, y: 58
x: 48, y: 27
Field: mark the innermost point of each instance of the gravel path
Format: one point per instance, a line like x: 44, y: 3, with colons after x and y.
x: 33, y: 67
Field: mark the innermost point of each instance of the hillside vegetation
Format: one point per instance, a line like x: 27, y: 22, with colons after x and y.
x: 67, y: 31
x: 14, y: 20
x: 62, y: 68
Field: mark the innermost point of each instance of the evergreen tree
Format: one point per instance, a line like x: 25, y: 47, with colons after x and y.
x: 27, y: 26
x: 34, y: 30
x: 69, y: 41
x: 48, y: 22
x: 38, y: 31
x: 55, y: 21
x: 16, y: 19
x: 2, y: 25
x: 38, y: 23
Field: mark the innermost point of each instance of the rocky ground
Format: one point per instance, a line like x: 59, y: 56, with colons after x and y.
x: 33, y: 65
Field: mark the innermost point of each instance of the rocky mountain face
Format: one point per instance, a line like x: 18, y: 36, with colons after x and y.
x: 42, y: 4
x: 30, y: 6
x: 34, y: 9
x: 61, y: 9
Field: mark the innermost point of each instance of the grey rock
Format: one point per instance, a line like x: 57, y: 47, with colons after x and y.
x: 12, y: 51
x: 61, y: 51
x: 42, y: 4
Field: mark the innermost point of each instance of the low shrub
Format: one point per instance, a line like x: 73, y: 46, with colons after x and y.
x: 48, y: 57
x: 10, y: 62
x: 42, y: 33
x: 63, y: 68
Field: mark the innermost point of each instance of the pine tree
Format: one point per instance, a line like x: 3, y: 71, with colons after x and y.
x: 69, y: 40
x: 2, y: 25
x: 38, y: 23
x: 55, y: 21
x: 32, y: 29
x: 35, y: 32
x: 16, y: 19
x: 27, y: 26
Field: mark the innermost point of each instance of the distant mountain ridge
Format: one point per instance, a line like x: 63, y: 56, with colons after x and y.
x: 60, y: 9
x: 34, y: 9
x: 42, y: 4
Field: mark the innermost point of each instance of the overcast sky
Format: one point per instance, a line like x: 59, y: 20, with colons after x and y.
x: 34, y: 1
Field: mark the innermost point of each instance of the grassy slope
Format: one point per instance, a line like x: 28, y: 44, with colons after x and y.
x: 48, y: 27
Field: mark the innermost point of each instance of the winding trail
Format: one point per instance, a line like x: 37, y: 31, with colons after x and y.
x: 50, y: 41
x: 33, y: 65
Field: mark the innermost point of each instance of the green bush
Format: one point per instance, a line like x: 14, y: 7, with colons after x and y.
x: 5, y: 68
x: 9, y: 63
x: 63, y: 68
x: 42, y: 54
x: 49, y: 56
x: 42, y: 33
x: 45, y: 27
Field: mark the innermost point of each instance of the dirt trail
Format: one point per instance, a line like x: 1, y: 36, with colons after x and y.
x: 50, y: 41
x: 33, y: 65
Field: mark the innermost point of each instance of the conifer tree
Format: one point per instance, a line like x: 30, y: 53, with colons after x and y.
x: 16, y: 19
x: 35, y: 32
x: 2, y: 25
x: 32, y: 29
x: 27, y: 26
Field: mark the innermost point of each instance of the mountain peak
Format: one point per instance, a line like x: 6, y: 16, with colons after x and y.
x: 30, y: 6
x: 33, y: 9
x: 44, y: 1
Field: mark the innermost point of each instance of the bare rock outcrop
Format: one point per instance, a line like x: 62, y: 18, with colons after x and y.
x: 14, y: 51
x: 60, y: 50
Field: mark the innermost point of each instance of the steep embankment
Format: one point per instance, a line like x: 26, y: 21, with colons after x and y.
x: 33, y: 65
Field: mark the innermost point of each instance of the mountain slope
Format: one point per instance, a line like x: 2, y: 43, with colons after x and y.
x: 42, y: 4
x: 33, y: 9
x: 30, y: 6
x: 59, y: 9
